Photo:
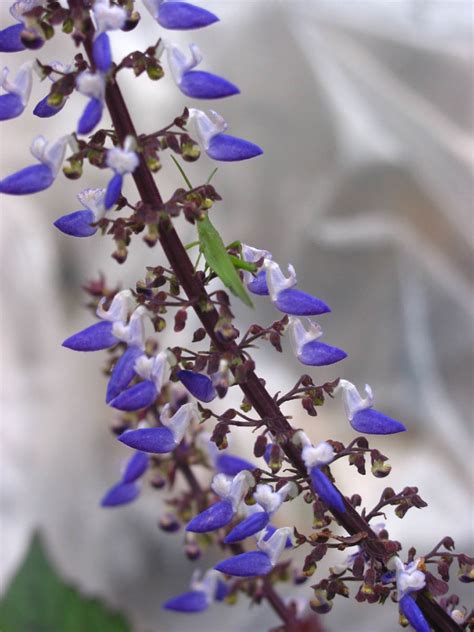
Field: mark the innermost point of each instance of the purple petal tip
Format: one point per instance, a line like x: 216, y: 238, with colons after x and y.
x: 250, y: 564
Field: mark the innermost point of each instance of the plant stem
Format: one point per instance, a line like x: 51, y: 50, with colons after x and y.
x: 252, y: 387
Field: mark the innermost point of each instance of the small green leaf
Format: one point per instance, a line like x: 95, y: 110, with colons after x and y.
x: 37, y: 600
x: 218, y: 259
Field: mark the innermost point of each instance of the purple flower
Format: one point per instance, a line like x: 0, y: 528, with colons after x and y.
x: 120, y: 494
x: 203, y: 592
x: 217, y: 145
x: 230, y: 464
x: 268, y: 502
x: 43, y: 109
x: 288, y: 299
x: 256, y: 284
x: 163, y: 439
x: 413, y: 614
x: 37, y: 177
x: 314, y: 458
x: 10, y: 37
x: 222, y: 461
x: 107, y: 18
x: 123, y: 372
x: 308, y: 349
x: 91, y: 85
x: 195, y: 83
x: 79, y: 223
x: 200, y: 386
x: 362, y: 416
x: 256, y: 563
x: 17, y: 91
x: 143, y: 394
x: 221, y: 513
x: 180, y: 16
x: 112, y: 330
x: 409, y: 579
x: 122, y: 161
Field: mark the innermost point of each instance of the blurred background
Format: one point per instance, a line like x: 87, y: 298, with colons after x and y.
x: 364, y: 110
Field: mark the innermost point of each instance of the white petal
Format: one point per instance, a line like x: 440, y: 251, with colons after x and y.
x: 93, y: 199
x: 206, y: 126
x: 275, y: 545
x: 267, y: 498
x: 91, y: 84
x: 276, y: 280
x: 322, y: 454
x: 179, y: 62
x: 119, y: 309
x: 353, y: 402
x: 108, y: 17
x: 299, y: 336
x: 179, y: 422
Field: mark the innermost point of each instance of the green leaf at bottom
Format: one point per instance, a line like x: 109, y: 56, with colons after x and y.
x: 37, y: 600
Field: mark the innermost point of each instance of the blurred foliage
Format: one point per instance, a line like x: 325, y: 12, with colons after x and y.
x: 38, y: 600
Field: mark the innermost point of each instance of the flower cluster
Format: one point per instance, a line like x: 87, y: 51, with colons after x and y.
x: 161, y: 393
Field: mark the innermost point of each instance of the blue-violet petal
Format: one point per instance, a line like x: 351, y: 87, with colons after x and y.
x: 28, y: 180
x: 183, y: 16
x: 215, y: 517
x: 77, y: 224
x: 250, y: 564
x: 123, y: 372
x: 326, y: 490
x: 94, y: 338
x: 316, y: 353
x: 370, y: 421
x: 153, y: 440
x: 199, y: 385
x: 298, y: 303
x: 251, y: 525
x: 192, y: 601
x: 138, y: 396
x: 120, y: 494
x: 229, y: 148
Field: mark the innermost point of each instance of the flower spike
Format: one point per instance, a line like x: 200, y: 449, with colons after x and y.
x: 37, y: 177
x: 199, y: 385
x: 217, y: 145
x: 179, y: 16
x: 257, y: 563
x: 221, y: 513
x: 18, y: 92
x: 195, y: 83
x: 122, y: 161
x: 361, y: 415
x: 288, y: 299
x: 91, y: 85
x: 163, y: 439
x: 307, y: 348
x: 79, y: 223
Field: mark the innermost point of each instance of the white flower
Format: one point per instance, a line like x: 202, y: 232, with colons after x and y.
x: 91, y: 85
x: 314, y: 456
x: 179, y: 62
x: 119, y: 308
x: 152, y: 368
x: 353, y: 402
x: 275, y: 545
x: 21, y: 85
x: 207, y: 126
x: 50, y: 155
x: 276, y: 280
x: 108, y: 17
x: 123, y: 160
x: 93, y: 199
